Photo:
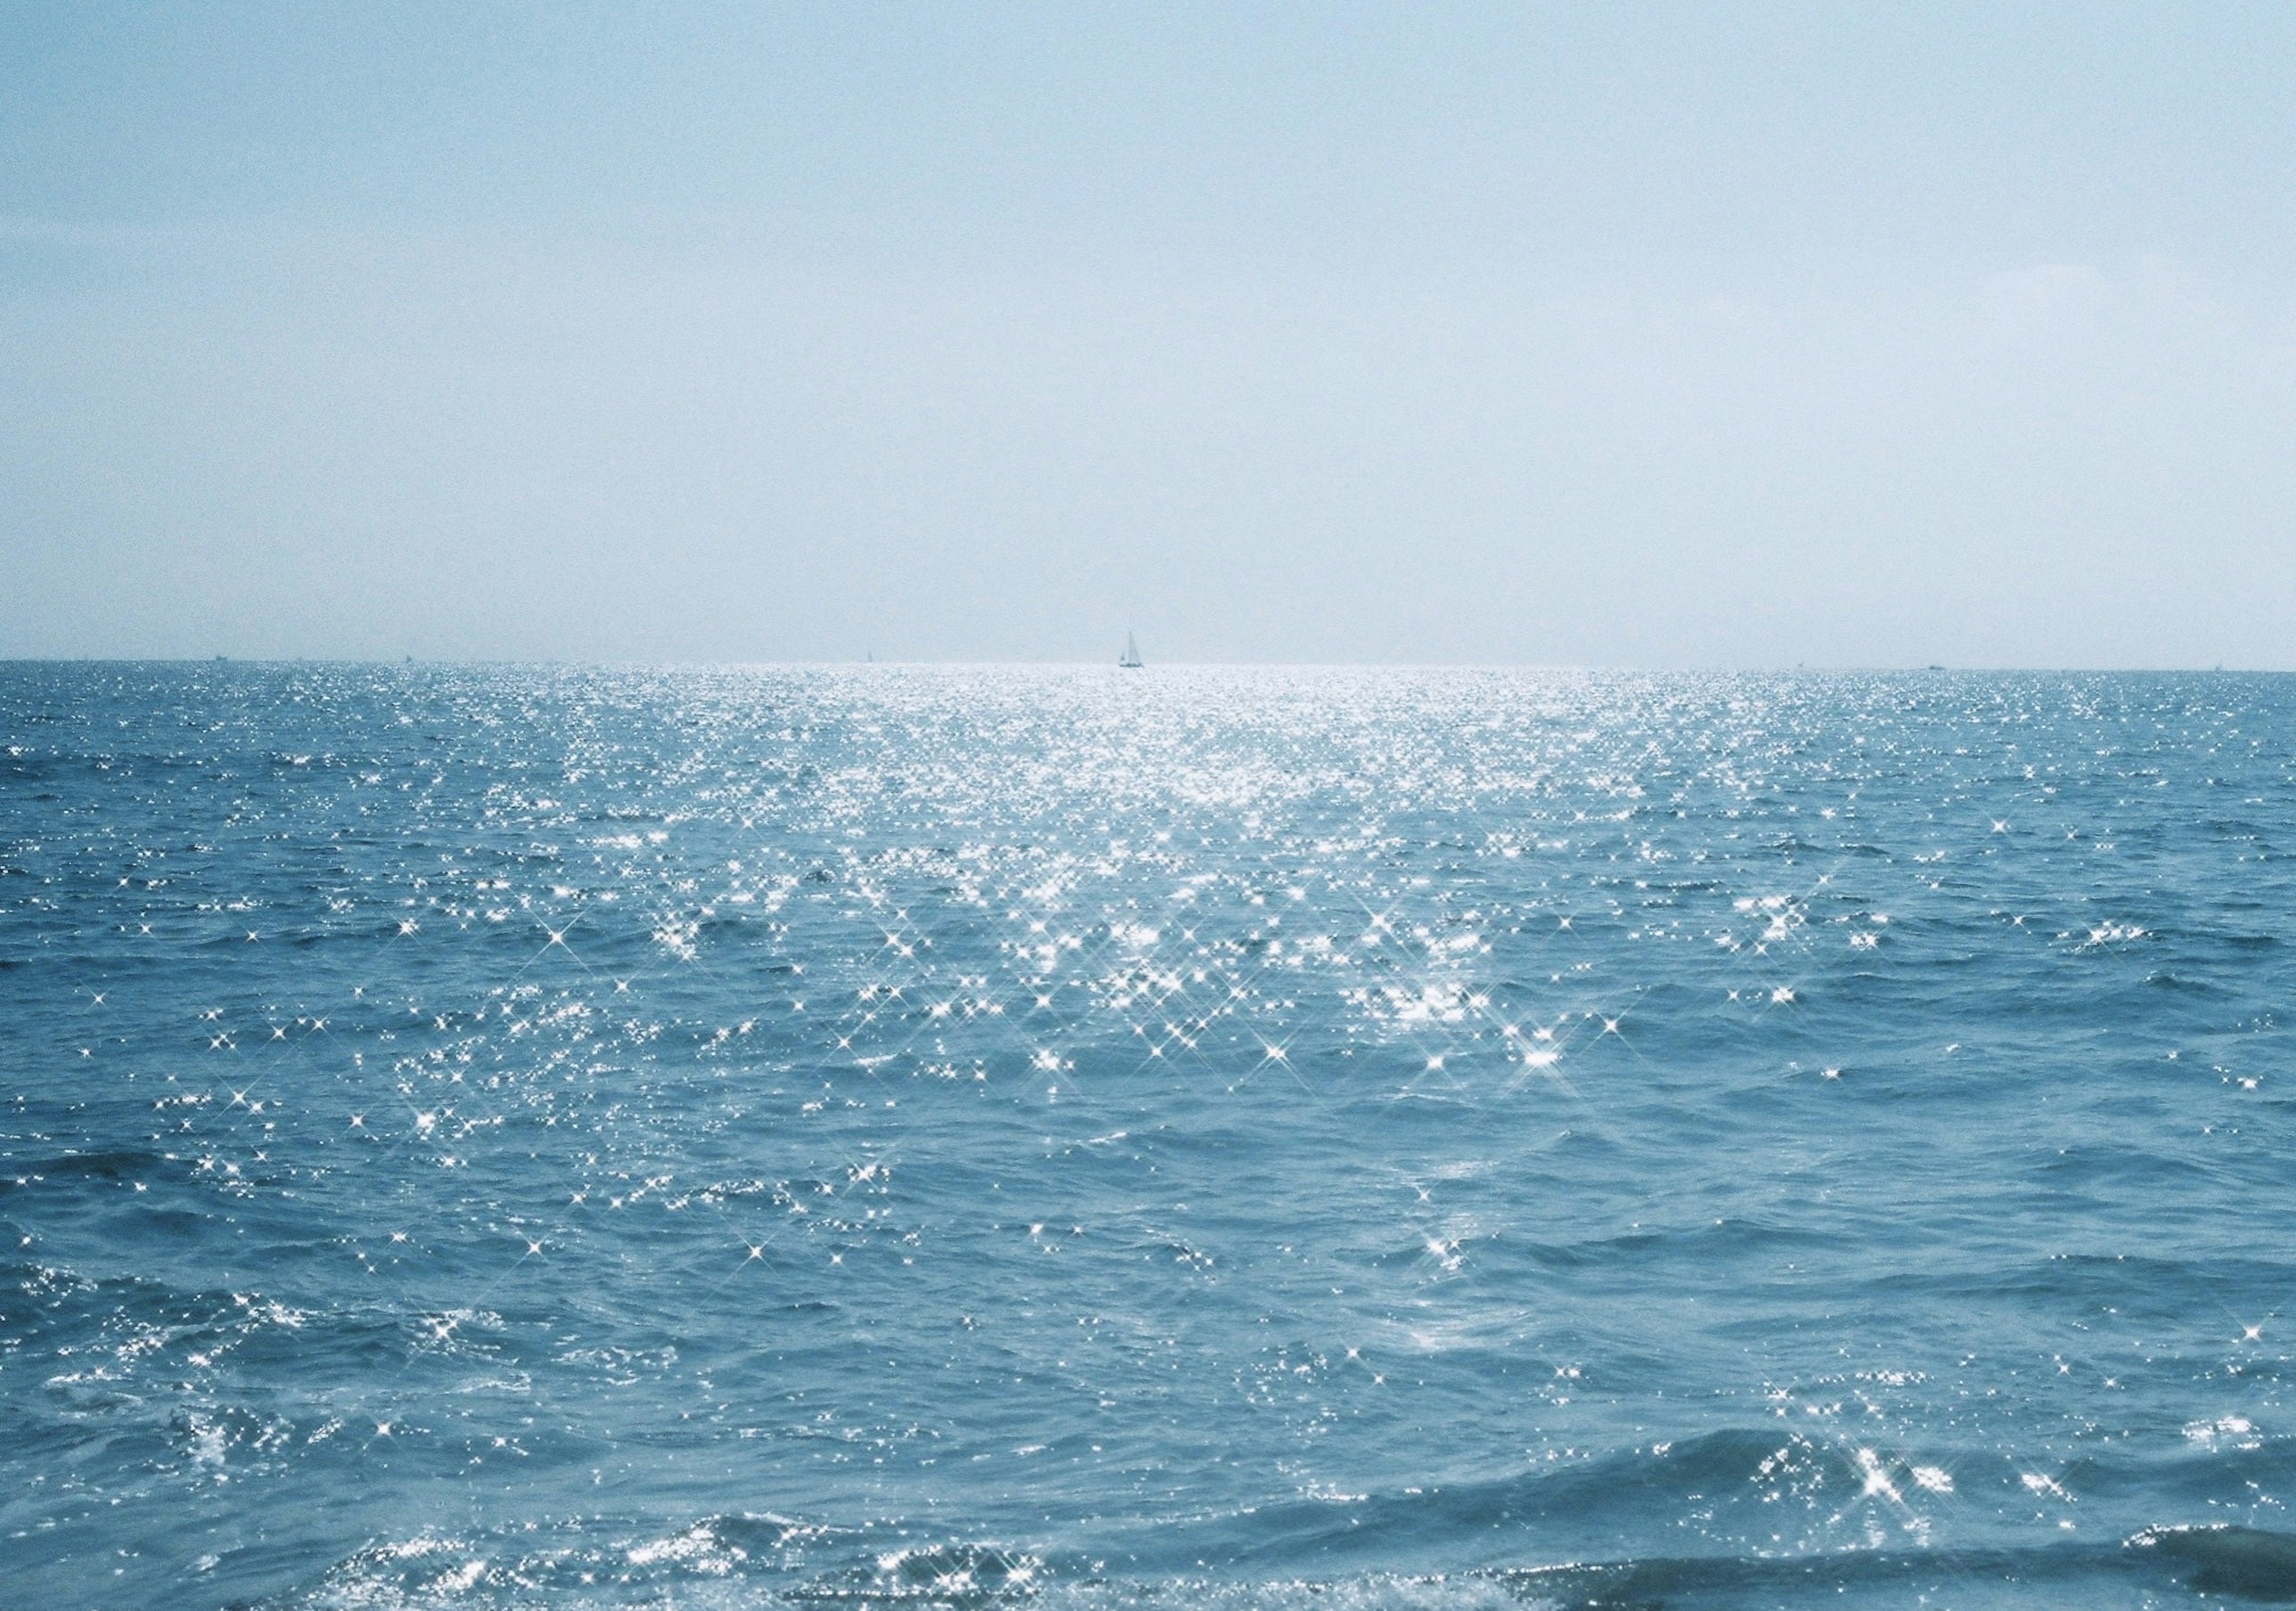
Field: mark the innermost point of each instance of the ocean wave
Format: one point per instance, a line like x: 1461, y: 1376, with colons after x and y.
x: 760, y: 1561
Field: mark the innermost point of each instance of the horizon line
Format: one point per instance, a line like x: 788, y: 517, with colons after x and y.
x: 667, y: 664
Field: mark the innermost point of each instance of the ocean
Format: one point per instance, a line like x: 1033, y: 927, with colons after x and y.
x: 480, y: 1136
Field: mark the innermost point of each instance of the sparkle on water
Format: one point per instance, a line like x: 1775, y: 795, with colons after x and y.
x: 940, y: 1137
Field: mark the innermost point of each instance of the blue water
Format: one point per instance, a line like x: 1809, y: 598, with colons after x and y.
x: 544, y: 1137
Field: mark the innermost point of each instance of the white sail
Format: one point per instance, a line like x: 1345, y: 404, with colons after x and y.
x: 1131, y: 653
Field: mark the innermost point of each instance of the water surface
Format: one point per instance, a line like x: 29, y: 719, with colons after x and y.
x: 546, y: 1136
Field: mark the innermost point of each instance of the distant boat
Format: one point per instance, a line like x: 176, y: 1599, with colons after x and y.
x: 1131, y: 657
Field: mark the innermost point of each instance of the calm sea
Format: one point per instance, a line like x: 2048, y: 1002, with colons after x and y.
x: 530, y: 1137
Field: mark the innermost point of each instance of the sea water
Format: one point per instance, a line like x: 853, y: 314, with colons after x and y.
x: 489, y: 1137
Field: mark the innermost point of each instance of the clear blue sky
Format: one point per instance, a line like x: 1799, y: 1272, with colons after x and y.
x: 1628, y: 335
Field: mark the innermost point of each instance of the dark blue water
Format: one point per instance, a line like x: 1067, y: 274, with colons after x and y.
x: 532, y: 1136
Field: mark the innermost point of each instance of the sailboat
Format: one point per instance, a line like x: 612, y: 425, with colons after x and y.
x: 1131, y: 657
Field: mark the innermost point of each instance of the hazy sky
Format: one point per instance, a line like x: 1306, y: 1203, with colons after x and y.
x: 1622, y: 336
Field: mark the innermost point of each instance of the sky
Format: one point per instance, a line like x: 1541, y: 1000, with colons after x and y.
x: 1707, y: 335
